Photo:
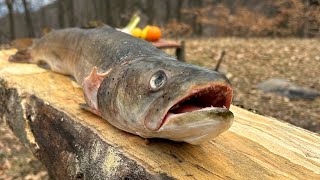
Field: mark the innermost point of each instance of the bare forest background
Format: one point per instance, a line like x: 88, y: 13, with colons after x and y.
x: 244, y: 18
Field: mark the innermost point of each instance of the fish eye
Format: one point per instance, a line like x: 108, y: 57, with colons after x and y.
x: 158, y: 80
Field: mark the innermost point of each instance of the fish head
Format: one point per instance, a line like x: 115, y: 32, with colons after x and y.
x: 165, y: 98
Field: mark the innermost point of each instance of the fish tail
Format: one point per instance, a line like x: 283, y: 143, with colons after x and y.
x: 23, y: 54
x: 22, y: 43
x: 21, y: 57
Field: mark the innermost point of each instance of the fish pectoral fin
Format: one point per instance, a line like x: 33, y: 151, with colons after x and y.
x: 90, y: 86
x: 88, y: 108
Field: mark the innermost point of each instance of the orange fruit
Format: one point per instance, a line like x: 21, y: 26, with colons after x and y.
x: 153, y: 33
x: 136, y: 32
x: 145, y: 32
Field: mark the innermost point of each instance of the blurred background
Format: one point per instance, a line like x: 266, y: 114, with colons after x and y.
x: 191, y: 18
x: 269, y: 49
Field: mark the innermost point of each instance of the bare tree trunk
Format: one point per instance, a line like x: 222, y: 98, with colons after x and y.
x: 96, y: 10
x: 11, y: 18
x: 28, y: 18
x: 150, y: 11
x: 168, y: 10
x: 178, y: 10
x: 198, y: 25
x: 61, y: 13
x: 109, y: 19
x: 71, y: 14
x: 43, y: 18
x: 125, y: 17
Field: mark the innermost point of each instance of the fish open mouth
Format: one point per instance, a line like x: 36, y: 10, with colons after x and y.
x: 215, y: 96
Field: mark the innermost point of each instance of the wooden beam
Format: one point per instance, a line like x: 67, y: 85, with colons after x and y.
x: 41, y: 107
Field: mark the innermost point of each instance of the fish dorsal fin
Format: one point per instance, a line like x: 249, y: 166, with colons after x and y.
x: 91, y: 85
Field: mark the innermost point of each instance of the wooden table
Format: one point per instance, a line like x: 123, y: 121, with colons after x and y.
x: 41, y: 107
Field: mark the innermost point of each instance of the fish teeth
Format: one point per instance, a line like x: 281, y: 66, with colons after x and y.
x: 175, y: 107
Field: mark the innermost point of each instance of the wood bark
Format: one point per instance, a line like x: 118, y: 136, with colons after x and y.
x: 42, y: 109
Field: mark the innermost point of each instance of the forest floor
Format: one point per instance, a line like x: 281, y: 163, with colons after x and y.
x: 251, y: 61
x: 247, y: 63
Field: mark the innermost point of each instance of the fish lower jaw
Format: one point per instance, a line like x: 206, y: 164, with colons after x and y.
x: 195, y: 127
x: 198, y: 126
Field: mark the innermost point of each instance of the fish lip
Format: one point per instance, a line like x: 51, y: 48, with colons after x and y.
x: 196, y: 90
x: 221, y: 110
x: 212, y: 122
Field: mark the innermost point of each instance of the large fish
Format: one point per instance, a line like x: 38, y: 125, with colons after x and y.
x: 137, y: 87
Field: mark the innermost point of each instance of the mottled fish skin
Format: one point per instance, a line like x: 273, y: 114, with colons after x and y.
x: 124, y: 97
x: 129, y: 88
x: 76, y: 51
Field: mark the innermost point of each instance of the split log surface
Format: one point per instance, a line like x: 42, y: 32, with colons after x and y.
x: 42, y: 109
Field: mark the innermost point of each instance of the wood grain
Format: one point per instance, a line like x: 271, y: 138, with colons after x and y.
x: 42, y: 109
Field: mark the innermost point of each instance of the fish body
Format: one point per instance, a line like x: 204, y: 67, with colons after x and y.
x: 138, y: 88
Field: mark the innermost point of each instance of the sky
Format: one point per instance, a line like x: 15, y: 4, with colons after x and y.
x: 35, y: 5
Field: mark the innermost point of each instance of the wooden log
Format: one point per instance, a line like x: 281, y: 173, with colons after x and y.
x: 41, y: 107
